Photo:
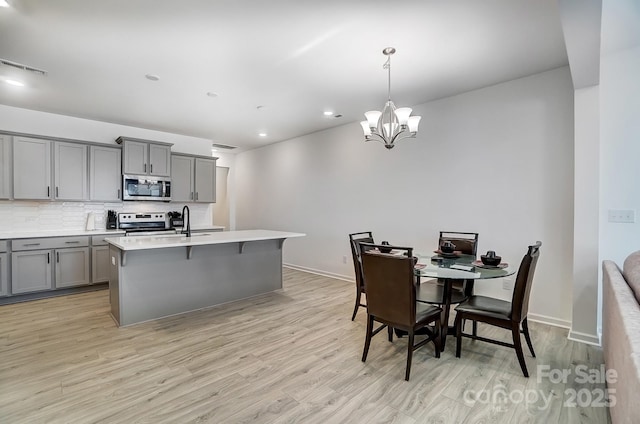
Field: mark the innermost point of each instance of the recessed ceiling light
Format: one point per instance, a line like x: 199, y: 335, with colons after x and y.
x: 262, y: 134
x: 328, y: 113
x: 3, y: 3
x: 14, y: 82
x: 152, y: 77
x: 212, y: 94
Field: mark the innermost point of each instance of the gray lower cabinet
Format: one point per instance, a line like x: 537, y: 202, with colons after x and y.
x: 46, y: 263
x: 31, y: 271
x: 72, y: 267
x: 100, y: 264
x: 4, y: 275
x: 100, y: 260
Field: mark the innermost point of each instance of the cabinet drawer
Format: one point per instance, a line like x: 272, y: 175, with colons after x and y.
x: 3, y: 246
x: 99, y: 240
x: 49, y: 243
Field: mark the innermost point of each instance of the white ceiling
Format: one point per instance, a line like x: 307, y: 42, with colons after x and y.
x: 296, y: 58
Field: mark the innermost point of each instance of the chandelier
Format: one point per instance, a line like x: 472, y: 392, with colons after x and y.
x: 392, y: 124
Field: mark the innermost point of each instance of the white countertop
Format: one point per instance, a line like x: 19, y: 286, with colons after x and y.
x: 206, y: 228
x: 56, y: 233
x: 179, y: 240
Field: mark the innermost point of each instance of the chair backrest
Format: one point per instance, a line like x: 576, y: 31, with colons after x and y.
x: 354, y: 241
x: 466, y: 243
x: 390, y: 284
x: 524, y: 281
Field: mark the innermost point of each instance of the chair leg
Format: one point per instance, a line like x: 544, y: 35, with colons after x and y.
x: 458, y: 334
x: 367, y: 340
x: 475, y: 328
x: 355, y: 308
x: 409, y: 355
x: 525, y: 330
x: 390, y: 331
x: 437, y: 337
x: 517, y: 344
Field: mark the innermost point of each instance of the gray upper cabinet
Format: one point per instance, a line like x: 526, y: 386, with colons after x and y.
x: 33, y: 165
x: 31, y: 168
x: 105, y: 173
x: 70, y: 171
x: 141, y: 157
x: 205, y: 178
x: 5, y: 166
x: 135, y: 157
x: 159, y: 160
x: 193, y: 179
x: 182, y: 174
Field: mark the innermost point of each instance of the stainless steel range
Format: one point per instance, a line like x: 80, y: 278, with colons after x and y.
x: 145, y: 223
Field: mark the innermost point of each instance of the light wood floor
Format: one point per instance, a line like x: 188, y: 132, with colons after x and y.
x: 292, y: 356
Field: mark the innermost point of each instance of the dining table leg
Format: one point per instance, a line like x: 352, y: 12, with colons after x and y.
x: 446, y: 306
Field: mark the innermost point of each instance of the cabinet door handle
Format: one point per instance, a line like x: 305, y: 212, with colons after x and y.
x: 48, y: 191
x: 118, y: 194
x: 196, y: 195
x: 58, y: 257
x: 31, y: 244
x: 48, y: 258
x: 72, y: 242
x: 145, y: 167
x: 151, y: 168
x: 191, y: 196
x: 57, y: 191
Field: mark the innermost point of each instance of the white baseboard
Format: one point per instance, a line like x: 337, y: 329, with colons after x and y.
x: 591, y: 339
x: 544, y: 319
x: 320, y: 272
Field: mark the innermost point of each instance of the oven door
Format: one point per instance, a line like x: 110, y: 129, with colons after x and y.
x: 135, y: 187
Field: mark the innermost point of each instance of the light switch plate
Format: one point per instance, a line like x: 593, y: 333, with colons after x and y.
x: 622, y: 216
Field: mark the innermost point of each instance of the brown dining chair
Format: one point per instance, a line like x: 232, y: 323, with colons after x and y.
x: 432, y: 291
x: 391, y: 298
x: 354, y: 240
x: 500, y: 313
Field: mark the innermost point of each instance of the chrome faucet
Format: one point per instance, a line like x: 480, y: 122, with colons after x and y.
x: 186, y: 221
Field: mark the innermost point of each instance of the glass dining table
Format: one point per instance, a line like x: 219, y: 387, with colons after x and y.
x: 447, y: 270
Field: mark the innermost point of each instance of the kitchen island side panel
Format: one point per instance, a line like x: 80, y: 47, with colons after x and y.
x: 157, y: 283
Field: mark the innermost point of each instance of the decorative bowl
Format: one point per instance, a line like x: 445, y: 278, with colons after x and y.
x: 447, y: 247
x: 491, y: 260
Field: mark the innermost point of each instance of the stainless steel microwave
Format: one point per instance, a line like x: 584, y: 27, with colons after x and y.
x: 140, y: 187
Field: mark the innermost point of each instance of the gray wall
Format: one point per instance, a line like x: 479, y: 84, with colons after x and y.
x: 498, y: 161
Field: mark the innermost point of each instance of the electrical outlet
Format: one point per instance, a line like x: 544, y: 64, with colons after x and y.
x: 344, y: 259
x: 507, y: 284
x: 622, y: 216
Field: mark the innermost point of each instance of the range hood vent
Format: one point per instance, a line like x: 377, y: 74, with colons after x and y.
x: 222, y: 146
x: 23, y: 67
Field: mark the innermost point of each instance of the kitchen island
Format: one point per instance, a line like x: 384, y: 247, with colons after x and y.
x: 158, y: 276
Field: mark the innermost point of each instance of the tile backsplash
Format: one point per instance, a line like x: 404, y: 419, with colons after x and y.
x: 37, y: 216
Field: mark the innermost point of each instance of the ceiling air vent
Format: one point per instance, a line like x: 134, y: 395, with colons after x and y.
x: 222, y: 146
x: 23, y: 67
